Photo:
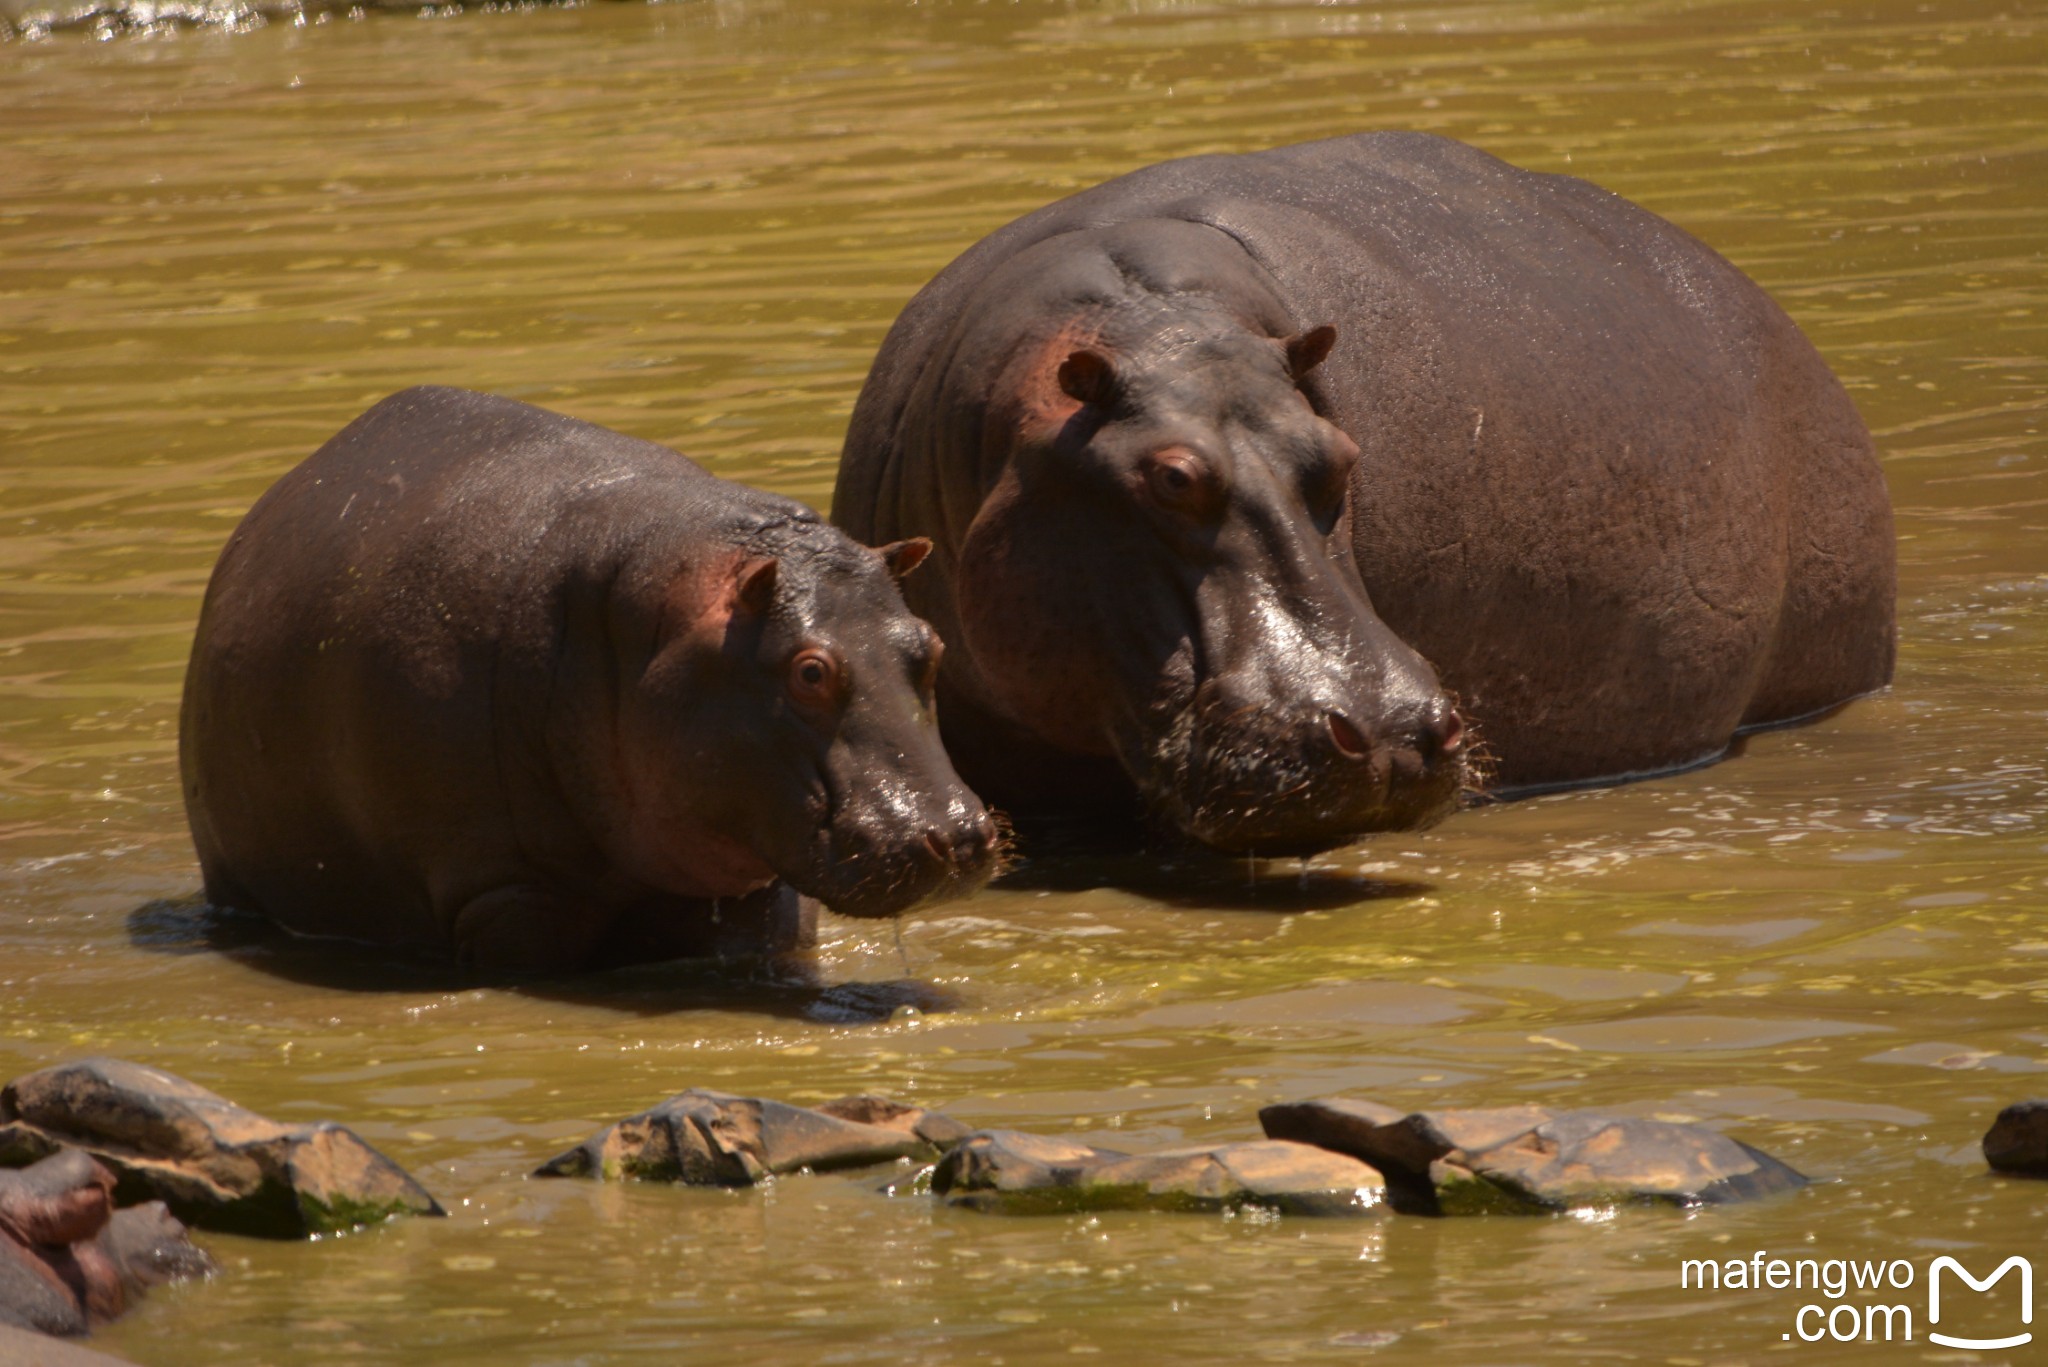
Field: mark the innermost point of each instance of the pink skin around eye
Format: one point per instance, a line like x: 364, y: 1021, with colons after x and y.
x: 813, y: 678
x: 1178, y: 479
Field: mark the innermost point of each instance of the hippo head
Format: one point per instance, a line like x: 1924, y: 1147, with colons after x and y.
x: 1157, y: 573
x: 786, y: 729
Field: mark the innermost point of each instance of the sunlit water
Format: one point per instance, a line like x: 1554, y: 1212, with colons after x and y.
x: 694, y: 223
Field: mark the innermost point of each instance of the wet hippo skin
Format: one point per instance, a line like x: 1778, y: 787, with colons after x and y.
x: 1242, y: 470
x: 482, y: 678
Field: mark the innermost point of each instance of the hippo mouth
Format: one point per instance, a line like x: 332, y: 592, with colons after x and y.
x: 857, y: 875
x: 1267, y: 783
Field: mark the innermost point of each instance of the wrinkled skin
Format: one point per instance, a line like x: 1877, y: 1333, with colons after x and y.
x: 1240, y: 469
x: 68, y: 1260
x: 482, y: 678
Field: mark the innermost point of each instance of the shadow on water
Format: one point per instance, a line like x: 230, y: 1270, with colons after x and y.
x: 1194, y: 878
x: 786, y: 986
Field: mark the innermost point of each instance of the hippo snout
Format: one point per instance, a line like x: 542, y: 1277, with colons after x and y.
x: 882, y: 864
x: 964, y: 849
x: 1288, y: 781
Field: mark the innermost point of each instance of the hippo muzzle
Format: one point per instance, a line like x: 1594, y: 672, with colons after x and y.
x: 890, y: 824
x: 1301, y: 755
x: 884, y: 855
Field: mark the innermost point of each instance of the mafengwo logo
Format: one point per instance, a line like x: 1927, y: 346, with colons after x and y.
x: 1875, y: 1301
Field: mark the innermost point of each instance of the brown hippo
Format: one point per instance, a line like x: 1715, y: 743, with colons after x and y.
x: 479, y: 677
x: 1216, y: 455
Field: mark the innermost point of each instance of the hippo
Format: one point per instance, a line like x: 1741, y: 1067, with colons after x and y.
x: 1281, y: 497
x: 484, y: 680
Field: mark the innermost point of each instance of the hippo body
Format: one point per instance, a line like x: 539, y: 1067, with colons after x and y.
x: 1603, y: 485
x: 480, y: 678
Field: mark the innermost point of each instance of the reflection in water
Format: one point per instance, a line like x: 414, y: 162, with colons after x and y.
x: 694, y: 223
x: 791, y: 986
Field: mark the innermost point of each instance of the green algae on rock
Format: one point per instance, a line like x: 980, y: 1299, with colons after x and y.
x: 215, y: 1164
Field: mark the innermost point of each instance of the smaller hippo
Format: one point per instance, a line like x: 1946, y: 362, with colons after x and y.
x: 481, y: 678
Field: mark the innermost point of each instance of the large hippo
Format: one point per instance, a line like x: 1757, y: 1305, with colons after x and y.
x: 1241, y: 469
x: 482, y: 678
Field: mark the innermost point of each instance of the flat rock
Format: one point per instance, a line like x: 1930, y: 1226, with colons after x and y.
x: 216, y: 1165
x: 1009, y: 1172
x: 1531, y: 1159
x: 69, y: 1261
x: 705, y: 1138
x: 24, y: 1348
x: 2017, y: 1141
x: 941, y: 1132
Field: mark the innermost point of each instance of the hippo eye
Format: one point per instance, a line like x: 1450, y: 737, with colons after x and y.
x: 1176, y: 479
x: 814, y: 678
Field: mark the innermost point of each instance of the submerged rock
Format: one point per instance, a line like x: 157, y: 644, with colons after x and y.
x: 70, y: 1261
x: 705, y: 1138
x: 1531, y: 1159
x: 26, y: 1348
x: 1013, y: 1173
x: 2017, y: 1141
x: 215, y: 1164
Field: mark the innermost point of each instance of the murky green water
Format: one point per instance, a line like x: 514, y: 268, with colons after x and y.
x: 694, y: 222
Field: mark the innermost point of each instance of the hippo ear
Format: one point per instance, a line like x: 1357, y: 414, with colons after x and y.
x: 1307, y: 350
x: 1089, y: 377
x: 904, y: 556
x: 753, y: 593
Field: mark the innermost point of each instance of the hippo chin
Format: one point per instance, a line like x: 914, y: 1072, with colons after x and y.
x: 482, y: 678
x: 1240, y: 469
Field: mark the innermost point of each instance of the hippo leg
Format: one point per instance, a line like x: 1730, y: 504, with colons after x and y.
x: 525, y: 931
x: 1835, y: 637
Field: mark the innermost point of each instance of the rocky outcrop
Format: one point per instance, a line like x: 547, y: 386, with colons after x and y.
x: 213, y: 1163
x: 1013, y: 1173
x: 713, y: 1139
x: 2017, y: 1141
x: 70, y: 1261
x: 1531, y: 1159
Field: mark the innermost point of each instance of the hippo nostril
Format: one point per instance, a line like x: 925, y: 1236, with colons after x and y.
x: 1349, y: 740
x: 938, y: 847
x: 1450, y: 732
x: 981, y: 834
